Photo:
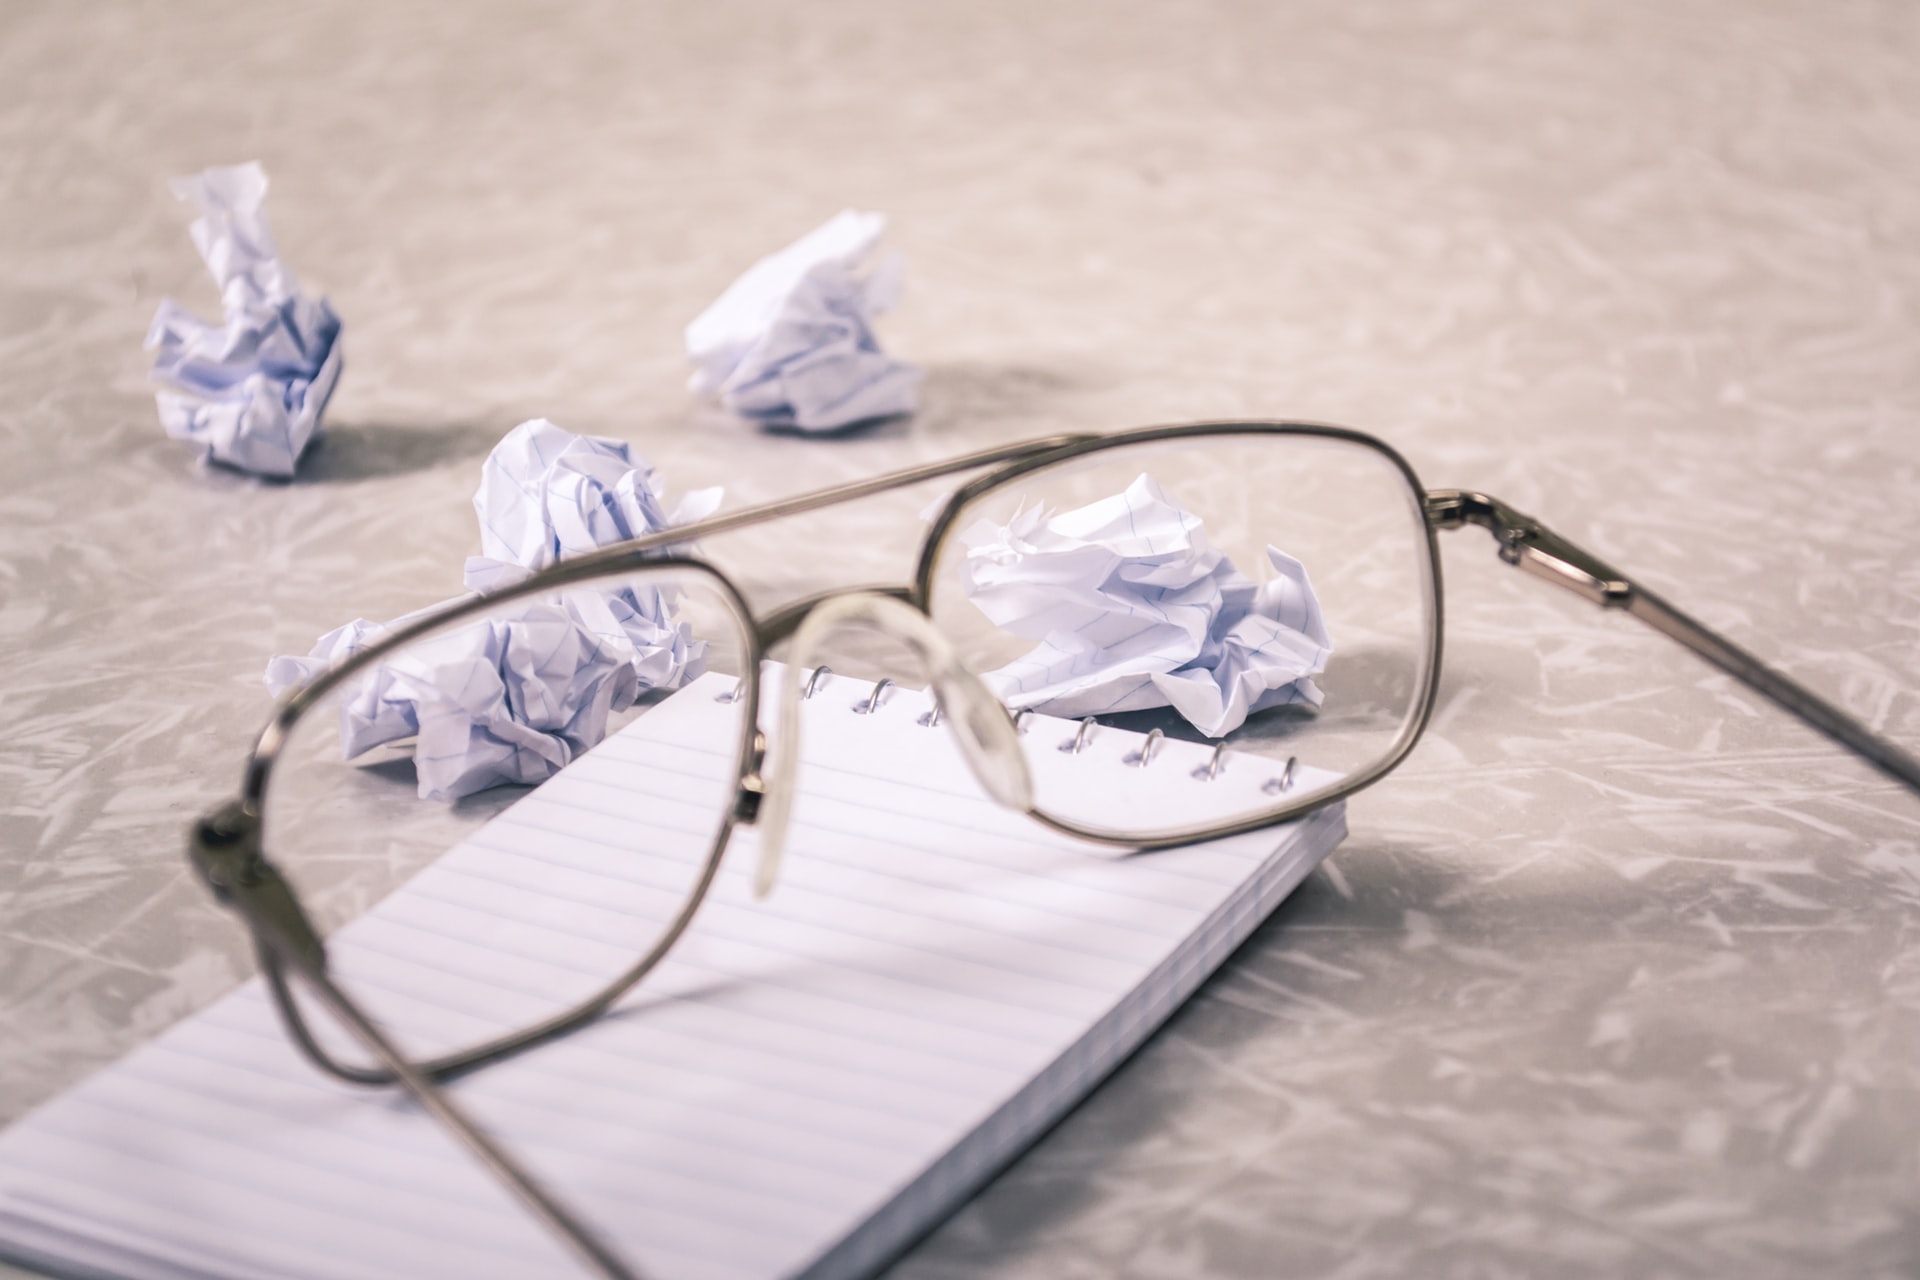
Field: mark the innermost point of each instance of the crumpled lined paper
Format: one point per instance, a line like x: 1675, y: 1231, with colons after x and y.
x: 1133, y: 609
x: 546, y: 494
x: 513, y: 698
x: 791, y: 342
x: 508, y: 699
x: 250, y: 390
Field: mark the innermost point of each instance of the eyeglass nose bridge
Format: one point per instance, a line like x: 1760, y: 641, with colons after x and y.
x: 985, y: 732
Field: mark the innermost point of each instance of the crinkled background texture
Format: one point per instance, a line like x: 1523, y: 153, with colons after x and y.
x: 1619, y: 975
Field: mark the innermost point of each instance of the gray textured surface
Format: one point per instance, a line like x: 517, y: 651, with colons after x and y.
x: 1620, y: 974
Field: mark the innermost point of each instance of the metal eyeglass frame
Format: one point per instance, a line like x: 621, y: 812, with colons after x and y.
x: 225, y: 845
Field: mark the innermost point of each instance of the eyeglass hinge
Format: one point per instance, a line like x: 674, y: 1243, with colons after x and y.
x: 1529, y: 545
x: 224, y: 848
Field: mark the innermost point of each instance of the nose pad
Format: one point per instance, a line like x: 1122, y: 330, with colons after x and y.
x: 986, y: 734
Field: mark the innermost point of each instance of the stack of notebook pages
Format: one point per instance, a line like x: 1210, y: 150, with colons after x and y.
x: 807, y: 1084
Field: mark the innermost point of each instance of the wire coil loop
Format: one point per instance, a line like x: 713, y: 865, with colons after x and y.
x: 1144, y: 756
x: 1215, y: 762
x: 1078, y: 742
x: 1284, y: 783
x: 871, y: 703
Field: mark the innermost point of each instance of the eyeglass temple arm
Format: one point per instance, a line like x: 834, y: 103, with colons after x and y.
x: 225, y: 849
x: 1535, y: 549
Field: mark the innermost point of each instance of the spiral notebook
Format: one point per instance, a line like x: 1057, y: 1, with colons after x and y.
x: 815, y: 1079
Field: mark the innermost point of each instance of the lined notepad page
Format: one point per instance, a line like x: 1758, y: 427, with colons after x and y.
x: 806, y: 1085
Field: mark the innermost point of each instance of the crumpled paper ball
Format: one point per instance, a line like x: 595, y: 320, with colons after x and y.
x: 546, y: 494
x: 250, y: 390
x: 791, y: 342
x: 1133, y: 609
x: 514, y: 697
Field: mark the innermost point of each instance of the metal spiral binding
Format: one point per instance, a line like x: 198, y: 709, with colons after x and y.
x: 1211, y: 769
x: 930, y: 719
x: 1144, y: 756
x: 871, y: 703
x: 1284, y: 783
x: 1078, y: 742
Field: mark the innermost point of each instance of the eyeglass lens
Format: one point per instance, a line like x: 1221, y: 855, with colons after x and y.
x: 1271, y: 593
x: 435, y: 749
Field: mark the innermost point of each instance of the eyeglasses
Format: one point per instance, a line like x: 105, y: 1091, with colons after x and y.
x: 1259, y: 602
